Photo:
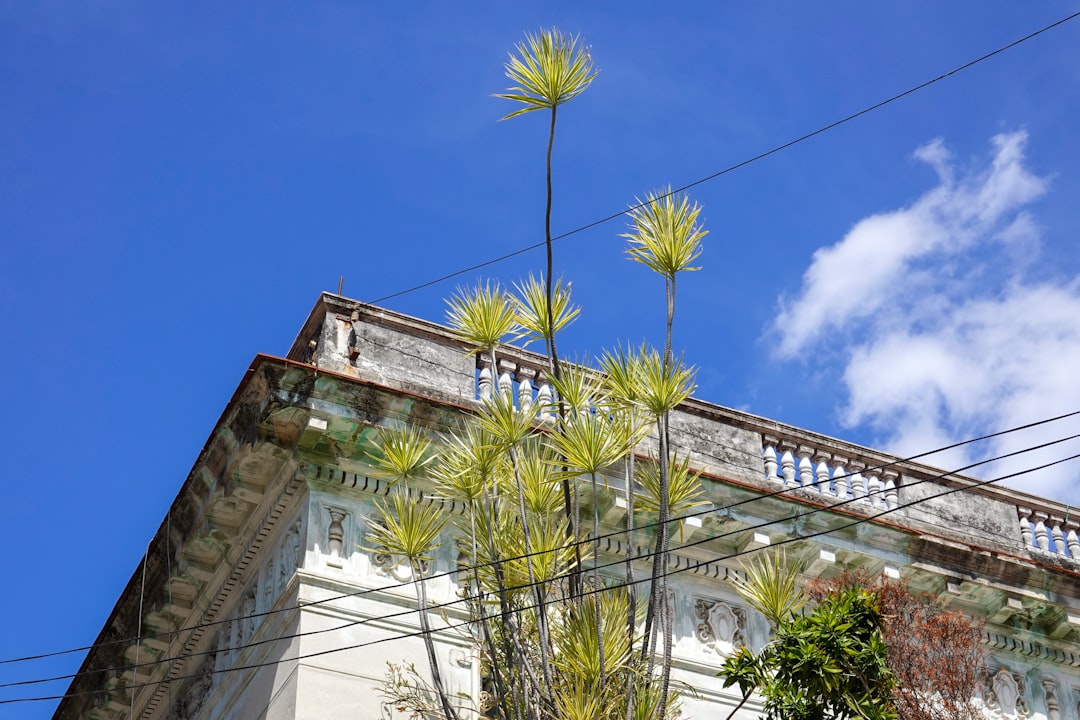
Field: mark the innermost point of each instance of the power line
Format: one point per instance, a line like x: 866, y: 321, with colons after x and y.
x: 589, y: 541
x: 736, y: 166
x: 451, y: 626
x: 616, y: 533
x: 616, y: 215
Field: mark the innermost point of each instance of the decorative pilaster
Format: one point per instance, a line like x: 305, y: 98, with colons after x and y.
x: 335, y: 537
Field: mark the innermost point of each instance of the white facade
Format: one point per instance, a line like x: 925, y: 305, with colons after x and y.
x: 281, y: 610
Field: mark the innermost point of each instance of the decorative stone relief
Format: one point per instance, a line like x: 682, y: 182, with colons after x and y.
x: 246, y: 618
x: 382, y: 560
x: 223, y: 652
x: 191, y: 703
x: 393, y: 566
x: 487, y: 701
x: 290, y: 555
x: 269, y: 584
x: 260, y: 597
x: 1005, y: 695
x: 460, y: 657
x: 722, y: 627
x: 385, y: 564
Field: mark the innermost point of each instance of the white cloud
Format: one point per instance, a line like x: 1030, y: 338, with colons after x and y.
x: 942, y: 335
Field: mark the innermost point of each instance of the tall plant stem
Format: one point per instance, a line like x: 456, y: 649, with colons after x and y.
x: 429, y: 643
x: 510, y: 638
x: 553, y: 354
x: 538, y: 588
x: 554, y: 365
x: 485, y: 628
x: 657, y: 580
x: 665, y: 508
x: 668, y: 359
x: 596, y: 574
x: 631, y: 615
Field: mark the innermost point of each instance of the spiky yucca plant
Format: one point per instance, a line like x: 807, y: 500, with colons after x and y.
x: 532, y: 313
x: 408, y: 529
x: 549, y: 69
x: 553, y: 646
x: 403, y: 453
x: 665, y: 236
x: 771, y: 586
x: 685, y: 492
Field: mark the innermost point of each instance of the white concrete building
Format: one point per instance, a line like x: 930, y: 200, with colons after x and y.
x: 259, y: 602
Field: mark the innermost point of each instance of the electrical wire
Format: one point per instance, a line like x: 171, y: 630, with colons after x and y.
x: 736, y: 166
x: 450, y: 626
x: 588, y: 541
x: 604, y: 536
x: 606, y: 219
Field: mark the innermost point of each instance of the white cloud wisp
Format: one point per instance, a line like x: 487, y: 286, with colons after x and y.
x: 942, y: 334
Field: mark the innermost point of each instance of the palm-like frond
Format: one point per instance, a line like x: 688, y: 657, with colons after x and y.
x: 662, y: 386
x: 406, y: 528
x: 465, y: 463
x: 665, y: 233
x: 684, y: 486
x: 578, y: 389
x: 622, y: 373
x: 550, y: 68
x: 578, y: 701
x: 591, y: 441
x: 553, y: 554
x: 507, y: 424
x: 771, y: 586
x: 482, y: 315
x: 647, y: 702
x: 577, y: 637
x: 539, y: 483
x: 403, y: 453
x: 531, y: 310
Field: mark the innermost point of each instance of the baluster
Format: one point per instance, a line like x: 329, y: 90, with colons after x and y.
x: 1073, y: 544
x: 769, y: 456
x: 858, y: 488
x: 485, y: 383
x: 787, y: 465
x: 806, y: 469
x: 335, y: 534
x: 840, y: 477
x: 822, y: 472
x: 525, y: 388
x: 1025, y: 526
x: 873, y: 491
x: 1042, y: 537
x: 892, y: 494
x: 1053, y: 708
x: 543, y: 399
x: 1057, y: 536
x: 506, y: 385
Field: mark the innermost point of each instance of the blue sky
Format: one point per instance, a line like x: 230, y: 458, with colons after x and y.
x: 179, y: 182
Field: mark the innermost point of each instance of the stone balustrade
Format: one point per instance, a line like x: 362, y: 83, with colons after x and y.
x: 520, y: 379
x: 830, y: 475
x: 1043, y: 531
x: 813, y: 465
